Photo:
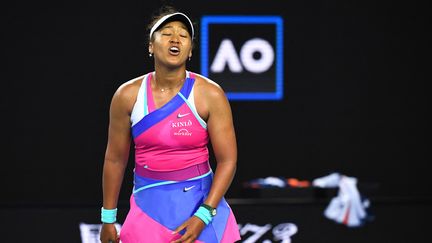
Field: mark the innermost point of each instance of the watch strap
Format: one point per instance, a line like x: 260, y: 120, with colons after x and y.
x: 211, y: 209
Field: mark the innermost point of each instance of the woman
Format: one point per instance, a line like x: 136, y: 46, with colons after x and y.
x: 171, y: 114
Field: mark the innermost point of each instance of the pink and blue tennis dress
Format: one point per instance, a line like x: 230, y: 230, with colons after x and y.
x: 172, y: 173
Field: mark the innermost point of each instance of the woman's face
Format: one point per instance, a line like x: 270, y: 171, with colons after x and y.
x: 171, y: 45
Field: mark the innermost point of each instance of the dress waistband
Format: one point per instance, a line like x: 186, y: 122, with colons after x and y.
x: 177, y: 175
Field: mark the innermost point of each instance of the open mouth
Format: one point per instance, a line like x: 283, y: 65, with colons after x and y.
x: 174, y: 50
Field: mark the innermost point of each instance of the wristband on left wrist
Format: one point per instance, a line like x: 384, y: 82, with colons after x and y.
x: 205, y: 213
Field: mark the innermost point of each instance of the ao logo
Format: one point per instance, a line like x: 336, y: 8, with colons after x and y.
x: 227, y: 56
x: 244, y: 54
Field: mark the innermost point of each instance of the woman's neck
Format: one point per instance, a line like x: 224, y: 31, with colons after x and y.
x: 169, y: 78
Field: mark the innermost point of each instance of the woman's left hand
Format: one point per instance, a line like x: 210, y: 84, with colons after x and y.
x: 193, y: 227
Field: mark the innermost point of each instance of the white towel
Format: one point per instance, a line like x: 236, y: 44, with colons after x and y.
x: 347, y: 207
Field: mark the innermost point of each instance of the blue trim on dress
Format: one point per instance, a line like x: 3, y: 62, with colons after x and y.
x: 161, y: 183
x: 194, y: 112
x: 158, y: 115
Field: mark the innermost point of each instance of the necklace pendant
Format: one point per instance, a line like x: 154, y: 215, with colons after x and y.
x: 163, y: 90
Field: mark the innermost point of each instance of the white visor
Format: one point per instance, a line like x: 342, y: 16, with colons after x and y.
x: 173, y: 17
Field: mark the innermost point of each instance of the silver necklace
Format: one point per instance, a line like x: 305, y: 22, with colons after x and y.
x: 165, y: 89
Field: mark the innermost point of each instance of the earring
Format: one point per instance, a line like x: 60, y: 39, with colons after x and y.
x: 189, y: 58
x: 150, y: 54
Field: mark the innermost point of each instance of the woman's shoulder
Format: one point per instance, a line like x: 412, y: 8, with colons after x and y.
x: 208, y: 86
x: 127, y: 92
x: 127, y: 88
x: 210, y: 95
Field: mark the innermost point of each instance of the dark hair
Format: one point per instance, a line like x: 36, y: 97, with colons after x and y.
x: 164, y: 10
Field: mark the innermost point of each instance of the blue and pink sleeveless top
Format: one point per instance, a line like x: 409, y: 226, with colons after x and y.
x: 171, y: 137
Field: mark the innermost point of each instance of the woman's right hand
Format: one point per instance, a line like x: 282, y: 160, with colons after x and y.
x: 109, y: 234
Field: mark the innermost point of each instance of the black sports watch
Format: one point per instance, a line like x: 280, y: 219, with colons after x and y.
x: 210, y: 209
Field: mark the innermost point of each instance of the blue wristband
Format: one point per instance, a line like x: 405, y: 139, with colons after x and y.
x: 203, y: 214
x: 108, y: 216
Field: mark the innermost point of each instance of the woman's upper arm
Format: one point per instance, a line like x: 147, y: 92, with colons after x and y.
x: 220, y: 125
x: 119, y: 125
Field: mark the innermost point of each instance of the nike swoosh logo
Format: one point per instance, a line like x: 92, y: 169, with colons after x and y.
x: 188, y: 188
x: 182, y: 115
